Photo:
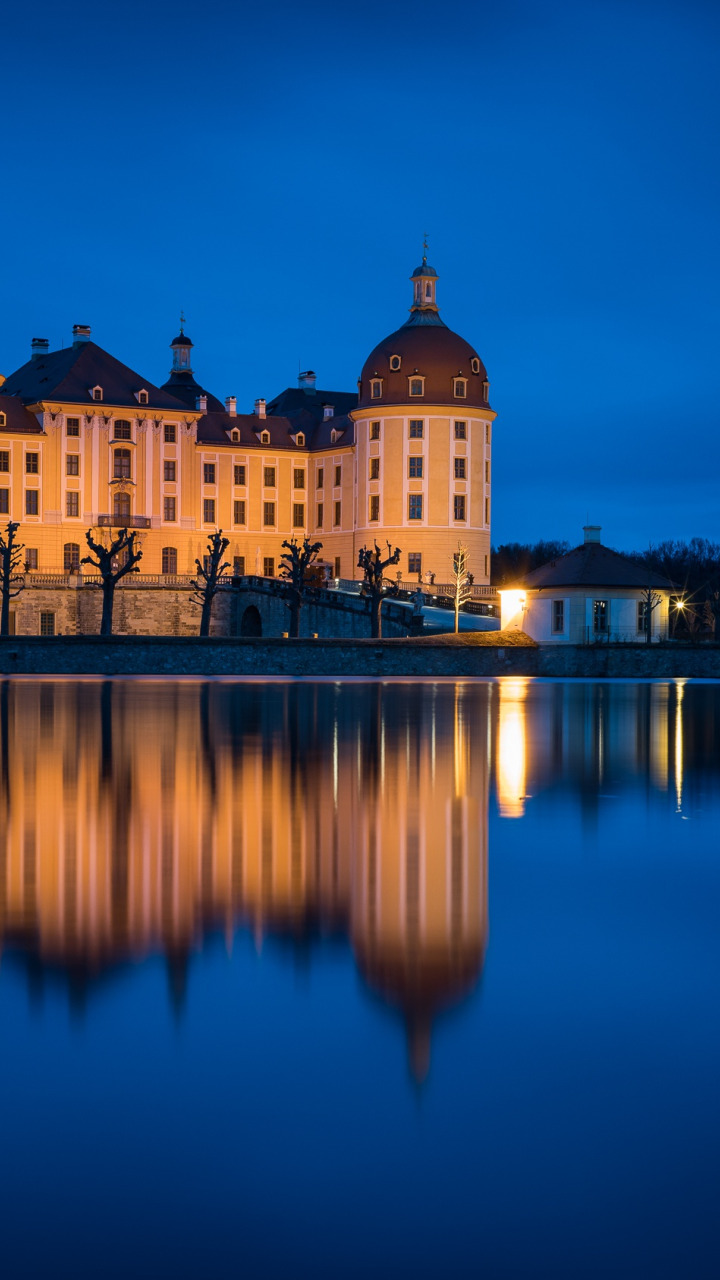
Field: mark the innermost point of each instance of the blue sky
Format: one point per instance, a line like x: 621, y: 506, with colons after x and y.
x: 272, y: 170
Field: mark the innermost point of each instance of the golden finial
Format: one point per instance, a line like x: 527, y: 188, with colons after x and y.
x: 425, y: 246
x: 182, y: 320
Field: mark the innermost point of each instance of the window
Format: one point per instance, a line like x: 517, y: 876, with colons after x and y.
x: 31, y: 502
x: 337, y: 517
x: 269, y: 513
x: 416, y: 386
x: 298, y: 515
x: 416, y: 429
x: 47, y: 624
x: 4, y: 460
x: 169, y: 559
x: 415, y: 466
x: 486, y: 566
x: 459, y: 506
x: 558, y: 615
x: 374, y: 430
x: 122, y: 430
x: 72, y: 426
x: 72, y: 464
x: 208, y: 473
x: 72, y: 505
x: 375, y: 507
x: 600, y: 616
x: 338, y: 476
x: 240, y: 474
x: 207, y: 563
x: 97, y: 393
x: 269, y: 477
x: 235, y: 435
x: 415, y: 506
x: 238, y: 566
x: 169, y: 509
x: 298, y: 477
x: 169, y: 472
x: 142, y: 397
x: 486, y: 391
x: 414, y: 562
x: 4, y: 502
x: 31, y: 558
x: 300, y: 439
x: 375, y: 389
x: 487, y: 510
x: 121, y: 505
x: 170, y: 433
x: 337, y: 566
x: 239, y: 511
x: 121, y: 464
x: 374, y: 468
x: 320, y: 478
x: 461, y: 430
x: 71, y: 557
x: 268, y: 567
x: 3, y: 423
x: 474, y: 365
x: 461, y: 468
x: 31, y: 463
x: 320, y: 514
x: 264, y: 437
x: 487, y: 432
x: 487, y: 471
x: 208, y: 510
x: 459, y: 388
x: 642, y: 616
x: 395, y: 363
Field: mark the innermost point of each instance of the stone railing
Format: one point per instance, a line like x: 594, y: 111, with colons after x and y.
x: 124, y: 522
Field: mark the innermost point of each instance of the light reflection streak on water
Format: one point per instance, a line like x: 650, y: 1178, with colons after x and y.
x: 511, y: 748
x: 679, y: 693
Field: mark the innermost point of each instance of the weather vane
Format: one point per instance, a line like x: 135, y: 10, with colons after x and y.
x: 182, y: 320
x: 425, y: 246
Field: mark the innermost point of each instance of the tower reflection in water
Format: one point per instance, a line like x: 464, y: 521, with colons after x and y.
x: 138, y: 815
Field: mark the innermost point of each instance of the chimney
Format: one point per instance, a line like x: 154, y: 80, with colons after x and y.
x: 39, y: 347
x: 260, y: 408
x: 307, y: 381
x: 201, y: 403
x: 592, y: 532
x: 81, y: 333
x: 231, y: 406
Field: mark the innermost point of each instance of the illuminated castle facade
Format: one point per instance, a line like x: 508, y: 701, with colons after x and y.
x: 86, y: 441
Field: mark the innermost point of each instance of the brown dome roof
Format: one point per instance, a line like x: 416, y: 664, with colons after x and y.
x: 434, y: 352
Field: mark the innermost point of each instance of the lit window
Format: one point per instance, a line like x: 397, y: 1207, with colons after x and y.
x: 414, y: 562
x: 460, y: 469
x: 298, y: 515
x: 415, y: 506
x: 31, y: 502
x: 459, y: 506
x: 558, y: 615
x: 374, y: 430
x: 416, y: 429
x: 208, y: 473
x: 208, y: 511
x: 269, y: 514
x: 122, y: 430
x: 415, y: 467
x: 239, y: 511
x: 72, y: 464
x: 460, y: 388
x: 269, y: 478
x: 268, y: 567
x: 416, y: 386
x: 461, y: 430
x: 169, y: 509
x: 169, y: 472
x: 600, y: 616
x: 240, y: 474
x: 374, y: 468
x: 121, y: 464
x: 395, y: 363
x: 72, y: 505
x: 375, y: 389
x: 375, y: 507
x: 31, y: 463
x: 299, y: 477
x: 169, y: 559
x: 72, y: 426
x: 170, y: 432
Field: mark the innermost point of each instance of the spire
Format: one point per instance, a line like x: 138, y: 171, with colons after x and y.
x: 424, y: 308
x: 181, y: 349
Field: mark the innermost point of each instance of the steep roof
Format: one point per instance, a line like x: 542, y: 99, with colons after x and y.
x: 182, y: 385
x: 17, y: 417
x: 591, y: 565
x: 295, y: 399
x: 70, y: 374
x: 213, y: 428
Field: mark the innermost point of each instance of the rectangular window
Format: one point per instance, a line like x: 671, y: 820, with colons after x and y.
x: 320, y: 477
x: 375, y: 507
x: 486, y: 566
x: 208, y: 473
x: 374, y: 468
x: 47, y: 624
x: 459, y: 506
x: 416, y: 429
x: 31, y: 558
x: 460, y: 469
x: 374, y: 430
x: 169, y: 560
x: 415, y: 466
x: 269, y: 478
x: 4, y: 502
x: 72, y: 464
x: 298, y: 515
x: 558, y: 615
x: 268, y: 567
x: 169, y: 509
x: 487, y: 510
x: 269, y: 513
x: 487, y: 432
x: 414, y: 562
x: 122, y: 430
x: 239, y: 511
x: 170, y: 432
x: 72, y: 426
x: 320, y: 514
x: 208, y: 510
x: 461, y: 430
x: 298, y: 477
x: 415, y: 506
x: 338, y: 475
x: 487, y: 471
x: 337, y: 566
x: 170, y: 472
x: 337, y: 518
x: 4, y: 460
x: 31, y: 502
x: 240, y: 474
x: 642, y: 616
x: 416, y: 386
x: 600, y: 616
x: 72, y: 504
x: 238, y: 566
x: 31, y: 463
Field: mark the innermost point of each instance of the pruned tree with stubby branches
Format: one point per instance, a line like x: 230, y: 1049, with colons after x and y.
x: 113, y: 560
x: 374, y: 585
x: 461, y: 580
x: 295, y: 564
x: 209, y: 578
x: 12, y: 580
x: 650, y: 600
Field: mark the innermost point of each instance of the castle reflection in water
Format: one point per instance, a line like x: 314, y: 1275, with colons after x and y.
x: 137, y: 816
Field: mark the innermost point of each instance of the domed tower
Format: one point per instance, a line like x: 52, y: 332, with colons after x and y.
x: 424, y: 436
x: 181, y: 382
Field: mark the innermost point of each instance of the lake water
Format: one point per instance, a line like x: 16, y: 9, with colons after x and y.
x: 335, y: 980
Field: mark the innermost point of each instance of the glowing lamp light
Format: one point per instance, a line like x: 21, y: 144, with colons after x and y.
x: 511, y: 603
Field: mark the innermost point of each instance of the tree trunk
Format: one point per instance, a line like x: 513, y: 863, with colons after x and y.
x: 295, y: 607
x: 5, y: 612
x: 375, y: 617
x: 457, y: 614
x: 107, y: 609
x: 205, y: 616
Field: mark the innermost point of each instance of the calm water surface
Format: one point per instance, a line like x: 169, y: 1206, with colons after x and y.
x: 402, y: 979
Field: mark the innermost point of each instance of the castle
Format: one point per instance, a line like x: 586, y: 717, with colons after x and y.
x: 86, y: 441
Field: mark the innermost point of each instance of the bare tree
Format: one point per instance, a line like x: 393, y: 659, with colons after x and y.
x: 374, y: 585
x: 209, y: 578
x: 649, y: 600
x: 112, y: 561
x: 10, y: 563
x: 461, y: 580
x: 295, y: 564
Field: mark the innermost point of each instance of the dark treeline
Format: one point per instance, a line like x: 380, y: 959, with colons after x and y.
x: 514, y: 559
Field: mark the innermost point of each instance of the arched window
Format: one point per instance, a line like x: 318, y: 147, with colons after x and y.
x: 71, y: 557
x: 121, y: 464
x: 169, y: 560
x: 428, y: 291
x: 121, y: 505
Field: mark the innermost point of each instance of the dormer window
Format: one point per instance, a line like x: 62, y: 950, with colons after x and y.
x: 486, y: 389
x: 335, y: 436
x: 142, y: 397
x: 474, y: 365
x: 460, y: 388
x: 235, y: 435
x: 300, y: 440
x: 97, y: 393
x: 375, y: 388
x: 417, y: 386
x: 3, y: 420
x: 395, y: 363
x: 328, y: 411
x: 264, y: 437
